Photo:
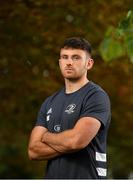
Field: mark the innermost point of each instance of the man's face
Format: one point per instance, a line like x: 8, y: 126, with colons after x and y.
x: 74, y: 63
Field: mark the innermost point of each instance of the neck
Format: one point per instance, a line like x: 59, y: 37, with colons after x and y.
x: 74, y: 85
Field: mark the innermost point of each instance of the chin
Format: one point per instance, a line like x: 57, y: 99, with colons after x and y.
x: 71, y: 78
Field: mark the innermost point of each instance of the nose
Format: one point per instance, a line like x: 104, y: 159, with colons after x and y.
x: 69, y: 61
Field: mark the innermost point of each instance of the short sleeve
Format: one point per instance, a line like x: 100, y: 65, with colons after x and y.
x: 98, y: 106
x: 41, y: 117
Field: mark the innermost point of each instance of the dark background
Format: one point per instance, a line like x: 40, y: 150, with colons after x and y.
x: 31, y: 33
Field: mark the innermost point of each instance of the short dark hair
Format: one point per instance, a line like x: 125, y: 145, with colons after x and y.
x: 77, y: 43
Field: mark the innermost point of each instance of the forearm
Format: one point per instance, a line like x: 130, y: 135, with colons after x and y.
x: 63, y: 142
x: 41, y: 151
x: 73, y: 139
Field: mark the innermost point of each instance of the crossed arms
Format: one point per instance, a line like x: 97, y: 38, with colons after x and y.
x: 44, y: 145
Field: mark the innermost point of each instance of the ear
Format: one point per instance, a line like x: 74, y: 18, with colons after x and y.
x: 90, y: 63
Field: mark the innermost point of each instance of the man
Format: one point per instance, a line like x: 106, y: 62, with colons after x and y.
x: 72, y: 124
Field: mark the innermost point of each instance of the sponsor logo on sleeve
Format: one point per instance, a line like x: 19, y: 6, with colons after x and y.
x: 57, y: 128
x: 48, y: 114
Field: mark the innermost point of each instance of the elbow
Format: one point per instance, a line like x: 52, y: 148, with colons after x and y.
x: 76, y: 143
x: 31, y: 154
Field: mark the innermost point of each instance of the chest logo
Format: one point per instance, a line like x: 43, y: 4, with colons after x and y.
x: 70, y: 108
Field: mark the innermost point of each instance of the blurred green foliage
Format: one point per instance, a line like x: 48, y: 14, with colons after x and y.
x: 119, y: 40
x: 32, y: 32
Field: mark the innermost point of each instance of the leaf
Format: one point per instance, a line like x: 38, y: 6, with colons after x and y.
x: 119, y: 40
x: 124, y: 24
x: 111, y: 49
x: 130, y: 14
x: 119, y: 33
x: 127, y: 21
x: 109, y: 31
x: 129, y: 46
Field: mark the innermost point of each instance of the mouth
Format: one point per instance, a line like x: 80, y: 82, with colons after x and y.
x: 68, y: 69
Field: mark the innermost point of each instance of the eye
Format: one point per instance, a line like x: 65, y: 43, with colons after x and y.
x: 64, y: 57
x: 76, y: 57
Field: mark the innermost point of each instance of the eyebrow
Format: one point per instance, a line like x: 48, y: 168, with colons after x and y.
x: 71, y: 55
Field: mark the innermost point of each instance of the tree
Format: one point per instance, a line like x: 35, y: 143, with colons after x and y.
x: 118, y: 41
x: 115, y: 48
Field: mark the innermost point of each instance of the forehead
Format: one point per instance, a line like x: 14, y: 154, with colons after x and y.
x: 72, y: 52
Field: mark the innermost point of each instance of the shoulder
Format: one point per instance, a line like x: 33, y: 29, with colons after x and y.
x: 96, y: 89
x: 95, y: 94
x: 49, y: 99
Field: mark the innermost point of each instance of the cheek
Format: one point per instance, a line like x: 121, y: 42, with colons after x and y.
x: 82, y: 66
x: 61, y: 65
x: 86, y: 66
